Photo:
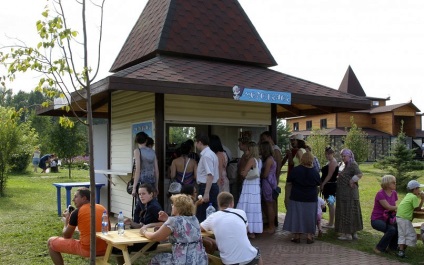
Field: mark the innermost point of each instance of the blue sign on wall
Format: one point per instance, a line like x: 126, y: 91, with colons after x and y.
x: 258, y: 95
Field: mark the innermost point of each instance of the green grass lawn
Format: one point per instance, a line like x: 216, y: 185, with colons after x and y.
x: 28, y: 217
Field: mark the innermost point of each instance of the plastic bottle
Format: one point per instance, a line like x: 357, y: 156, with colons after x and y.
x: 121, y: 227
x: 210, y: 210
x: 105, y: 223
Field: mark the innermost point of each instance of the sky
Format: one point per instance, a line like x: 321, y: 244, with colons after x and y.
x: 316, y: 40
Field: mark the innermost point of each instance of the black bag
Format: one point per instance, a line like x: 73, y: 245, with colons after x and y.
x: 276, y: 192
x: 130, y: 183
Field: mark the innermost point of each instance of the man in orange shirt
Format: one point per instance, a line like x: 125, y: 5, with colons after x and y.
x: 81, y: 218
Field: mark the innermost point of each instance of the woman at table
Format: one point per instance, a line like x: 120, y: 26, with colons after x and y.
x: 183, y: 231
x: 385, y: 201
x: 149, y: 214
x: 146, y: 168
x: 150, y: 208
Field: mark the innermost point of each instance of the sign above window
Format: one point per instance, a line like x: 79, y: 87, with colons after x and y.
x: 259, y: 95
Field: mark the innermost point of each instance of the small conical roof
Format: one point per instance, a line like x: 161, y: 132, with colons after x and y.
x: 350, y: 84
x: 209, y: 29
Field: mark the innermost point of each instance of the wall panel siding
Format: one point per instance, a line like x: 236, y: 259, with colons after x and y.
x: 316, y: 121
x: 361, y: 119
x: 128, y: 107
x: 209, y: 110
x: 384, y: 122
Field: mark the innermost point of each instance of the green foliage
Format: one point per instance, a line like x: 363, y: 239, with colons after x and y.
x: 68, y: 142
x: 356, y: 140
x: 283, y: 134
x: 9, y: 141
x: 181, y: 134
x: 400, y: 162
x: 318, y: 141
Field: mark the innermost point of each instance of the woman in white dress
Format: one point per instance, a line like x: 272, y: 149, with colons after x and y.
x: 250, y: 197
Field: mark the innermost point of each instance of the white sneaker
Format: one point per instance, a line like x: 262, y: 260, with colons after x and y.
x: 328, y: 226
x: 355, y: 236
x: 345, y: 237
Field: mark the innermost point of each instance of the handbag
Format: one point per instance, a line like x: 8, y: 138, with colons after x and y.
x: 175, y: 187
x: 324, y: 209
x: 130, y: 183
x: 275, y: 192
x: 389, y: 217
x: 254, y: 172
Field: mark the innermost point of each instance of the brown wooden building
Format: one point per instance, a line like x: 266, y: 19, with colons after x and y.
x: 381, y: 122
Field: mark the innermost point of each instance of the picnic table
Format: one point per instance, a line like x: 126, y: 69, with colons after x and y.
x: 131, y: 237
x: 68, y: 186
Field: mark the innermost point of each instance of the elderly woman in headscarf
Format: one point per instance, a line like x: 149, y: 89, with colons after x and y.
x: 348, y: 210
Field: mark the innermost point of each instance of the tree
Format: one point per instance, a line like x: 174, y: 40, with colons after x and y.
x: 400, y: 162
x: 68, y: 143
x: 356, y: 140
x: 318, y: 142
x: 62, y: 58
x: 283, y: 134
x: 9, y: 140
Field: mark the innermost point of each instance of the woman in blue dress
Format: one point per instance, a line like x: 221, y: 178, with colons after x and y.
x: 184, y: 233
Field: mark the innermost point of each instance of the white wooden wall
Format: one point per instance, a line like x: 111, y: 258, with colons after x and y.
x: 131, y: 107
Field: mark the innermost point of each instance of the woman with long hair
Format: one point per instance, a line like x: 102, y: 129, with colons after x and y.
x: 184, y: 167
x: 146, y: 169
x: 216, y: 146
x: 329, y: 183
x: 268, y: 183
x: 250, y: 197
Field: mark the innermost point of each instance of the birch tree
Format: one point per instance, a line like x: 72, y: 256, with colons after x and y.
x: 66, y: 63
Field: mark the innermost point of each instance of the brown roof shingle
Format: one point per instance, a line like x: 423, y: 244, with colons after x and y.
x: 218, y: 29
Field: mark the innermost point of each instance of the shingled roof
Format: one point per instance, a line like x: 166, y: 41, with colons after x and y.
x: 218, y: 29
x: 350, y: 84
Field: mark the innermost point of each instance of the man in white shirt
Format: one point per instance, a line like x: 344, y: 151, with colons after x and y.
x: 207, y: 176
x: 229, y: 226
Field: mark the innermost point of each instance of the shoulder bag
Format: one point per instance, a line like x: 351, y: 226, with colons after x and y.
x: 254, y: 172
x: 130, y: 184
x: 175, y: 187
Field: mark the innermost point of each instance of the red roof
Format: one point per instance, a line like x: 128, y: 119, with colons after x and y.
x: 218, y: 29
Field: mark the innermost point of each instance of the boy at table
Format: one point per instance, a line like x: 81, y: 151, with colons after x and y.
x: 405, y: 213
x: 79, y: 217
x: 229, y: 226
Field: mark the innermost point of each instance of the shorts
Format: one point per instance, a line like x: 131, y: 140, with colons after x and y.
x: 35, y: 161
x: 406, y: 232
x: 71, y: 246
x: 68, y: 246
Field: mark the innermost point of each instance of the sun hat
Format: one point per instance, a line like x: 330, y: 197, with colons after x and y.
x: 413, y: 184
x: 298, y: 137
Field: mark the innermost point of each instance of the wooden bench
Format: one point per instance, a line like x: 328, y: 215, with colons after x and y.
x: 418, y: 226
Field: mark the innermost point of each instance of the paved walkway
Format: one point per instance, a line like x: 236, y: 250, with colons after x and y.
x: 278, y: 249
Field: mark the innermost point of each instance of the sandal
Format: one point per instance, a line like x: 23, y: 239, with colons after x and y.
x: 295, y: 240
x: 309, y: 241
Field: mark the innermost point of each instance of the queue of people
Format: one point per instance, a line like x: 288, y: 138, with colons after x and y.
x: 205, y: 182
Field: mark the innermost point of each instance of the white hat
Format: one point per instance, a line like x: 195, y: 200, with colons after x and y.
x: 297, y: 137
x: 413, y: 184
